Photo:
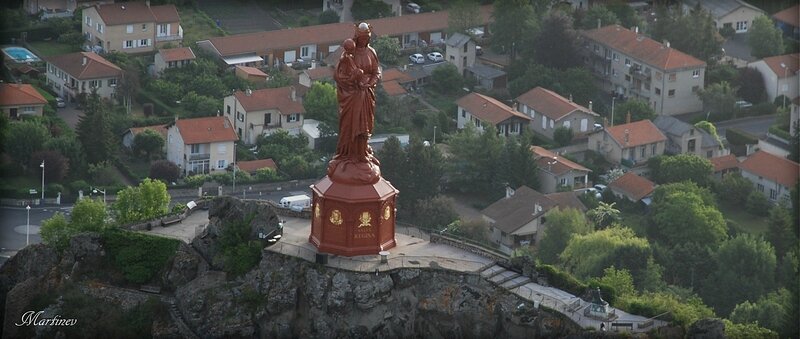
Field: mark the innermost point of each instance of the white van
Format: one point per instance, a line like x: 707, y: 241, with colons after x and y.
x: 295, y: 202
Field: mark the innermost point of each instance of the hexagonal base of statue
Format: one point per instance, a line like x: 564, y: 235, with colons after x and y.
x: 353, y: 219
x: 352, y: 172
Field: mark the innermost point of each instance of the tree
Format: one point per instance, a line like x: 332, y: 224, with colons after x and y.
x: 770, y: 311
x: 472, y: 166
x: 25, y: 138
x: 757, y: 204
x: 144, y: 202
x: 603, y: 215
x: 721, y: 72
x: 562, y: 225
x: 387, y: 48
x: 638, y: 109
x: 446, y: 79
x: 88, y: 215
x: 370, y: 9
x: 94, y: 131
x: 626, y: 14
x: 562, y: 136
x: 734, y: 189
x: 794, y: 143
x: 709, y: 128
x: 328, y: 17
x: 321, y: 104
x: 434, y: 212
x: 463, y: 15
x: 601, y: 13
x: 576, y: 82
x: 55, y: 231
x: 165, y: 170
x: 751, y: 85
x: 745, y: 271
x: 423, y: 170
x: 393, y: 158
x: 196, y: 105
x: 764, y: 38
x: 514, y: 23
x: 694, y: 33
x: 167, y: 91
x: 681, y: 216
x: 148, y: 143
x: 620, y: 280
x: 719, y: 100
x: 68, y: 146
x: 561, y: 40
x: 779, y: 231
x: 685, y: 264
x: 705, y: 194
x: 57, y: 166
x: 589, y: 255
x: 520, y: 167
x: 682, y: 167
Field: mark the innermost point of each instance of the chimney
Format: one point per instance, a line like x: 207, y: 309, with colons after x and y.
x: 627, y: 136
x: 628, y: 118
x: 509, y: 192
x: 227, y: 124
x: 537, y: 208
x: 570, y: 97
x: 636, y: 29
x: 248, y: 92
x: 292, y: 93
x: 515, y: 106
x: 147, y: 2
x: 405, y: 67
x: 665, y: 43
x: 83, y: 62
x: 590, y: 106
x: 605, y: 121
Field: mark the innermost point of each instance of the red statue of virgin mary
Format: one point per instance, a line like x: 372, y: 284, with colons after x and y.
x: 353, y: 212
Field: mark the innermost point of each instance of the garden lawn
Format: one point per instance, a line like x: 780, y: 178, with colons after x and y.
x: 744, y: 221
x: 50, y: 48
x: 140, y: 168
x: 197, y: 26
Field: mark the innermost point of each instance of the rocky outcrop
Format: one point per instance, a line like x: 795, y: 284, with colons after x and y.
x: 183, y: 267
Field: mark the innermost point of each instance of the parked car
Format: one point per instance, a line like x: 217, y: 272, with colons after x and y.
x: 600, y: 187
x: 591, y: 191
x: 743, y: 104
x: 60, y: 103
x: 417, y: 58
x: 478, y: 50
x: 413, y: 7
x: 435, y: 56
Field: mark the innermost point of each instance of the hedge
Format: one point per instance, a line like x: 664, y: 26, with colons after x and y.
x: 736, y: 136
x: 780, y: 133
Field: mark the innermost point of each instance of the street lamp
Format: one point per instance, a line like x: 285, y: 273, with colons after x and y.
x: 434, y: 135
x: 234, y: 168
x: 28, y: 226
x: 42, y: 166
x: 783, y: 65
x: 613, y: 98
x: 95, y: 190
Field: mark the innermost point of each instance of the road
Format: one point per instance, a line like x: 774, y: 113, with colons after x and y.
x: 757, y: 126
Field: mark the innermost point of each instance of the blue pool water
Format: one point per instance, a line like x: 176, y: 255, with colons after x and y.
x: 20, y: 54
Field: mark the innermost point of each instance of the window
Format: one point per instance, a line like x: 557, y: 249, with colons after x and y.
x: 760, y: 188
x: 643, y: 151
x: 303, y: 51
x: 112, y: 82
x: 128, y: 43
x: 515, y: 128
x: 671, y: 93
x: 195, y: 148
x: 613, y: 72
x: 144, y: 27
x: 647, y: 86
x: 773, y: 194
x: 239, y: 116
x: 709, y: 154
x: 627, y: 77
x: 94, y: 83
x: 172, y: 64
x: 99, y: 27
x: 228, y: 109
x: 691, y: 146
x: 267, y: 118
x: 673, y: 76
x: 221, y: 164
x: 129, y: 29
x: 162, y: 30
x: 144, y: 42
x: 658, y: 91
x: 616, y: 57
x: 563, y: 182
x: 696, y: 73
x: 653, y: 151
x: 466, y: 45
x: 741, y: 26
x: 463, y: 113
x: 89, y: 21
x: 292, y: 117
x: 29, y: 109
x: 627, y: 62
x: 222, y: 149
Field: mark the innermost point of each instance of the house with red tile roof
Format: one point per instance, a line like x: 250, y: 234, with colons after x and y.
x: 520, y: 218
x: 130, y: 27
x: 130, y: 134
x: 629, y: 144
x: 723, y: 165
x: 73, y: 74
x: 21, y: 99
x: 318, y: 41
x: 173, y: 58
x: 264, y: 111
x: 251, y: 74
x: 480, y: 109
x: 549, y: 110
x: 396, y: 82
x: 633, y: 187
x: 736, y: 14
x: 252, y: 166
x: 629, y: 64
x: 556, y: 171
x: 780, y: 74
x: 788, y: 21
x: 201, y: 145
x: 320, y: 73
x: 771, y: 175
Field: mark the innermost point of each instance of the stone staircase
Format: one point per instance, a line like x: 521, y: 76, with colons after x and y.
x: 503, y: 277
x: 184, y: 329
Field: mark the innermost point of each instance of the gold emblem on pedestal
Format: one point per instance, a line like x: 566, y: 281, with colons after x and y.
x: 387, y: 212
x: 336, y: 217
x: 365, y: 220
x: 316, y: 211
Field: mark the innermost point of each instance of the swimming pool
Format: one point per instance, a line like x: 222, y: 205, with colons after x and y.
x: 20, y: 54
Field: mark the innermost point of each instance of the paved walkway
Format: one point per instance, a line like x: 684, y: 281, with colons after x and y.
x: 414, y: 250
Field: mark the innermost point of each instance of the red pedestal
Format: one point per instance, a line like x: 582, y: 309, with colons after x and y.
x: 353, y: 220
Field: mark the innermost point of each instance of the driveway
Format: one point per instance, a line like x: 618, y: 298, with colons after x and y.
x: 757, y: 126
x: 737, y: 47
x: 70, y: 114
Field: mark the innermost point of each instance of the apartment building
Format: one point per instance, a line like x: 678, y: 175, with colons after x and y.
x: 629, y: 64
x: 130, y: 27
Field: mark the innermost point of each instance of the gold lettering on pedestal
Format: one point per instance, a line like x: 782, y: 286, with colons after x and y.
x: 336, y: 217
x: 365, y: 220
x: 363, y: 236
x: 387, y: 213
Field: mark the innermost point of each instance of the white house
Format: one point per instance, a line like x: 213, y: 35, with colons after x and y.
x: 780, y: 74
x: 480, y: 109
x: 736, y: 14
x: 549, y: 110
x: 73, y: 74
x: 264, y: 111
x: 771, y: 175
x: 201, y: 145
x: 173, y: 58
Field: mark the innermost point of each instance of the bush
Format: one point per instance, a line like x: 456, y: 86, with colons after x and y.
x: 682, y: 312
x: 434, y: 213
x: 561, y: 280
x: 736, y: 136
x: 238, y: 251
x: 267, y: 174
x: 735, y: 189
x: 165, y: 170
x: 139, y: 256
x: 196, y: 180
x: 757, y: 204
x: 562, y: 136
x: 78, y: 185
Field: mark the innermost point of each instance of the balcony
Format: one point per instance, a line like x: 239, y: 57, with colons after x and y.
x: 637, y: 73
x: 199, y: 156
x: 163, y: 38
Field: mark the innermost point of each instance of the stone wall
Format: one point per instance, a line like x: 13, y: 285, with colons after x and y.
x: 496, y: 256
